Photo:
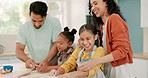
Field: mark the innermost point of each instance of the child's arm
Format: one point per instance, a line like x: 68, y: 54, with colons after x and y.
x: 71, y: 62
x: 48, y: 68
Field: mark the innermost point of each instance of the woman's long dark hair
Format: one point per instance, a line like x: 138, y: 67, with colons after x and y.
x: 112, y: 8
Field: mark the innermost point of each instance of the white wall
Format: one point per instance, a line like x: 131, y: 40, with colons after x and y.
x: 145, y: 35
x: 76, y: 14
x: 8, y: 41
x: 144, y: 24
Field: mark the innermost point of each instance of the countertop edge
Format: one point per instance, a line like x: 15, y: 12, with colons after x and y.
x: 136, y: 55
x: 10, y: 54
x: 141, y: 55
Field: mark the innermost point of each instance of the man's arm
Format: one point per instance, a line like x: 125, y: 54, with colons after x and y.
x: 52, y: 52
x: 29, y: 63
x: 46, y: 61
x: 20, y: 52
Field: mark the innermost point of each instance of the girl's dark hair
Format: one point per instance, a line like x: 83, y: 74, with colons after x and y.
x: 88, y: 27
x: 69, y: 35
x: 38, y: 7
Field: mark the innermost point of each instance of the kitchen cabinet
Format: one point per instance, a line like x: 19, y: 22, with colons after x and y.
x: 9, y: 60
x: 141, y: 67
x: 144, y: 13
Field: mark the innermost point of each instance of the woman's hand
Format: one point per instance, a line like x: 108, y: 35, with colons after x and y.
x: 88, y: 65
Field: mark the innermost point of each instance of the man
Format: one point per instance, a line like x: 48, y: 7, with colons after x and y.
x: 38, y: 34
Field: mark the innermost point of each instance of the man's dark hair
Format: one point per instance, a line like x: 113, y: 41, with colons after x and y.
x: 38, y: 7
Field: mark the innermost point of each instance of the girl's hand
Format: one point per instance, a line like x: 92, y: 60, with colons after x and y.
x: 43, y: 69
x: 86, y: 66
x: 53, y: 72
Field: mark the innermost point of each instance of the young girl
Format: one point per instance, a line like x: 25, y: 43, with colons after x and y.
x: 65, y: 48
x: 118, y: 59
x: 88, y: 35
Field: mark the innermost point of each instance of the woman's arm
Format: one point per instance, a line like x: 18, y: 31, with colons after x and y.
x: 97, y: 61
x: 92, y: 63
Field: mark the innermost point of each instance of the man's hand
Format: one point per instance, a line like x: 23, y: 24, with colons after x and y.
x: 30, y: 64
x: 42, y: 65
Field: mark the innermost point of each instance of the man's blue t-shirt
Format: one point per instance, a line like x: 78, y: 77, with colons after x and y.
x: 39, y: 41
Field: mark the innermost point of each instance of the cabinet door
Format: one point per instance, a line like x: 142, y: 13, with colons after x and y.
x: 9, y: 60
x: 4, y: 61
x: 144, y: 13
x: 14, y: 60
x: 141, y: 67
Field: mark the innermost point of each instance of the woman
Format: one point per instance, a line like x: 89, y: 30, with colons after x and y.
x: 115, y: 36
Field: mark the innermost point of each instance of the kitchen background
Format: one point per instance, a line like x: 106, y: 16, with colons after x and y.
x: 73, y: 13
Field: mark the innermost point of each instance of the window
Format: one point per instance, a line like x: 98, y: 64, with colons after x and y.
x: 16, y: 12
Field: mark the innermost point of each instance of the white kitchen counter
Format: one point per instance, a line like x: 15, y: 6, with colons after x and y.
x: 141, y: 55
x: 9, y: 57
x: 140, y: 64
x: 7, y: 54
x: 19, y: 68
